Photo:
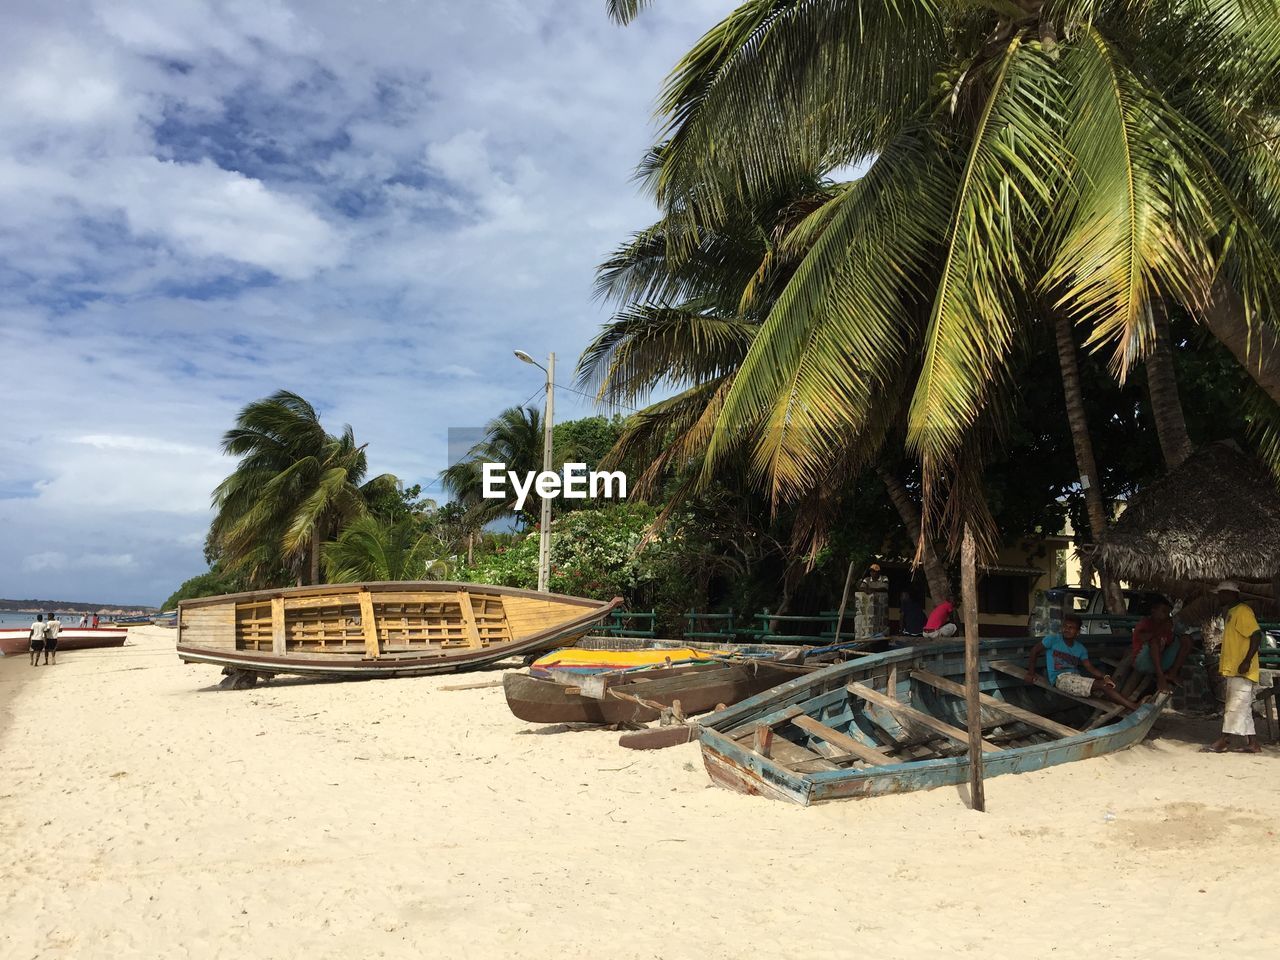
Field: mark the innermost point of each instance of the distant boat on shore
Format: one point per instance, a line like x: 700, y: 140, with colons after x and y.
x: 13, y: 642
x: 139, y: 620
x: 369, y: 630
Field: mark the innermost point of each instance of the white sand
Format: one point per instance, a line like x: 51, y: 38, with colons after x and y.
x: 149, y: 815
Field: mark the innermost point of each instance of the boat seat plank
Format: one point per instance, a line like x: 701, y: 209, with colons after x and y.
x: 782, y: 751
x: 1010, y: 710
x: 737, y: 732
x: 841, y: 740
x: 916, y: 716
x: 1019, y: 671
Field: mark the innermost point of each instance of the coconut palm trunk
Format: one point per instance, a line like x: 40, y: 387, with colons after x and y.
x: 1083, y: 444
x: 935, y: 573
x: 315, y: 558
x: 1162, y: 385
x: 1257, y: 349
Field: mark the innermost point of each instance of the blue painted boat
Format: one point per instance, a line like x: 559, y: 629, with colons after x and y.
x: 895, y: 722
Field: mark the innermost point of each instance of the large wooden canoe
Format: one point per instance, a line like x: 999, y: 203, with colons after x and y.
x: 614, y: 697
x: 362, y: 630
x: 894, y: 722
x: 14, y: 642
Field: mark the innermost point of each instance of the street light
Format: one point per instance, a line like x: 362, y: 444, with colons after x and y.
x: 544, y: 519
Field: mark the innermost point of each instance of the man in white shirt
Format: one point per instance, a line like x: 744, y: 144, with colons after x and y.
x: 51, y: 631
x: 37, y: 638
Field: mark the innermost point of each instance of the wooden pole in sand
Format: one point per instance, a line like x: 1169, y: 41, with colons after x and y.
x: 844, y: 601
x: 969, y: 598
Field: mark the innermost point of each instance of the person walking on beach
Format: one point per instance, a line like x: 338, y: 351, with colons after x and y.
x: 84, y: 620
x: 51, y: 630
x: 1238, y: 664
x: 37, y: 638
x: 95, y: 621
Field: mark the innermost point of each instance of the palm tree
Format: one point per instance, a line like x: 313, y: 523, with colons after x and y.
x: 371, y: 550
x: 1059, y: 153
x: 513, y: 437
x: 295, y: 487
x: 687, y: 323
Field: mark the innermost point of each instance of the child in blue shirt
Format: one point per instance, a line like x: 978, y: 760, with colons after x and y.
x: 1066, y: 660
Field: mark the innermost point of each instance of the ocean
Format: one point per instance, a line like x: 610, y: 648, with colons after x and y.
x: 9, y: 619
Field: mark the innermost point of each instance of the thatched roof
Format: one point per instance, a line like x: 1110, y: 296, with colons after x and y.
x: 1216, y: 517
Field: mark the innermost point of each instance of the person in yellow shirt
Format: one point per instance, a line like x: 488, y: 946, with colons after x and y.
x: 1238, y: 664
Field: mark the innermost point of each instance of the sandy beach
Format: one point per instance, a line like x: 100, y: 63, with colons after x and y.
x: 148, y: 814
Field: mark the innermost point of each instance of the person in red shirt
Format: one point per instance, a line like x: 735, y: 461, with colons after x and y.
x: 940, y: 623
x: 1155, y: 648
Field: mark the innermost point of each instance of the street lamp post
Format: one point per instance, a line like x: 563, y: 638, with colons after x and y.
x: 548, y: 420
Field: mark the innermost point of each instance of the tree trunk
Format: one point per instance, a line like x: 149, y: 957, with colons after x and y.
x: 1162, y: 384
x: 1258, y: 350
x: 1083, y: 443
x: 315, y: 557
x: 935, y: 573
x: 471, y: 537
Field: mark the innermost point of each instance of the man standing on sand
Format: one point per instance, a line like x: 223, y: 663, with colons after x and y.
x: 37, y: 638
x: 1238, y: 664
x: 51, y: 631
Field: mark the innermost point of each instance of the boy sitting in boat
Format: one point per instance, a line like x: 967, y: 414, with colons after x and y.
x: 1067, y: 660
x: 1157, y: 649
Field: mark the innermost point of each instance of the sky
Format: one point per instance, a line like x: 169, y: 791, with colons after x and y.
x: 368, y: 202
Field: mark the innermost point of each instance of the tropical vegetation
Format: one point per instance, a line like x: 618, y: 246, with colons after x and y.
x: 904, y: 250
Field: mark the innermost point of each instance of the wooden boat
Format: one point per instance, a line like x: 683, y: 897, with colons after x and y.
x: 586, y: 662
x: 377, y: 629
x: 18, y: 641
x: 639, y: 695
x: 607, y: 654
x: 895, y: 721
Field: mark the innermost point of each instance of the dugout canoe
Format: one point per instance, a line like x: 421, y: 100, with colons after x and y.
x: 615, y: 697
x: 13, y: 642
x: 896, y: 721
x: 365, y: 630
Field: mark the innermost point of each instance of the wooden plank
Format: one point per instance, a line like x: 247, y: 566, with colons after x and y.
x: 369, y: 624
x: 1013, y: 711
x: 973, y: 708
x: 916, y: 716
x: 473, y: 686
x: 762, y: 740
x: 277, y: 625
x: 786, y: 715
x: 1015, y: 670
x: 841, y: 740
x: 469, y: 619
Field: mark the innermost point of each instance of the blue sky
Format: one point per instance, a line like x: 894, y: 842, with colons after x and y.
x: 371, y: 204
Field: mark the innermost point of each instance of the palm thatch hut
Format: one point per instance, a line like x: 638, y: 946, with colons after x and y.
x: 1215, y: 517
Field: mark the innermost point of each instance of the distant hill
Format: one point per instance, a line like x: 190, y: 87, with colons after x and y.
x: 39, y: 606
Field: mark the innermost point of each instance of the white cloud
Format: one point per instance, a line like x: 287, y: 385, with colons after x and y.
x: 48, y: 560
x: 207, y: 201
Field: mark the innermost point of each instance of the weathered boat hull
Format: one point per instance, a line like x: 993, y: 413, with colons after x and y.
x: 356, y: 631
x: 14, y: 642
x: 822, y: 698
x: 698, y: 687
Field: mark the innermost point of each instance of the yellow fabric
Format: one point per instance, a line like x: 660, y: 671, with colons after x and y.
x: 618, y: 658
x: 1241, y: 625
